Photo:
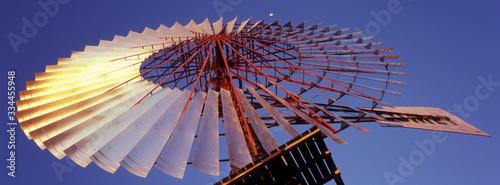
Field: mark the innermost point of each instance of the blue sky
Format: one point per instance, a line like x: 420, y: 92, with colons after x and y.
x: 447, y: 47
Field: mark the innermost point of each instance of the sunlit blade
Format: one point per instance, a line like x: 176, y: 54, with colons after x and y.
x: 242, y: 25
x: 89, y: 48
x: 173, y: 159
x: 265, y: 137
x: 133, y: 42
x: 230, y: 25
x: 205, y: 26
x: 49, y: 108
x: 143, y: 156
x: 194, y: 28
x: 275, y: 114
x: 260, y: 22
x: 101, y: 129
x: 41, y: 93
x: 56, y: 92
x: 150, y: 32
x: 78, y: 73
x: 217, y: 26
x: 170, y: 34
x: 236, y: 145
x: 80, y: 127
x: 110, y: 155
x: 183, y: 32
x: 65, y: 61
x: 206, y: 152
x: 145, y: 38
x: 97, y: 104
x: 305, y: 116
x: 136, y: 38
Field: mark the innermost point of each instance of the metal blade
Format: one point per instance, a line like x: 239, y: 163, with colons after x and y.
x: 217, y: 26
x: 236, y: 145
x: 193, y: 27
x: 277, y: 116
x: 242, y: 25
x: 205, y: 26
x: 142, y: 157
x: 183, y: 32
x: 230, y: 25
x: 110, y: 155
x: 206, y: 152
x: 173, y: 159
x: 90, y: 136
x: 265, y: 137
x: 117, y: 96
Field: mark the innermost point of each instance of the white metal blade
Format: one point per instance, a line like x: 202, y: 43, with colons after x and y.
x: 261, y: 131
x: 173, y: 159
x: 110, y: 155
x: 142, y: 157
x: 205, y: 26
x: 206, y: 152
x: 242, y: 25
x: 91, y: 135
x: 236, y: 145
x: 230, y: 25
x: 275, y: 114
x: 217, y: 26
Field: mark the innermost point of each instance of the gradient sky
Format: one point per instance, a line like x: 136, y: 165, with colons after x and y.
x: 446, y: 46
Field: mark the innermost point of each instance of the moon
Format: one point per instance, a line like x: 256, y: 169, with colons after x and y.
x: 271, y: 14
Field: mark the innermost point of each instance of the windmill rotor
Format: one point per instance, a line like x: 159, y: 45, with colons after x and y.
x: 157, y: 97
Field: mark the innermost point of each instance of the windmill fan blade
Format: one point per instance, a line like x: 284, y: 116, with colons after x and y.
x: 206, y: 152
x: 110, y: 155
x: 142, y: 157
x: 205, y: 26
x: 217, y: 26
x: 173, y: 159
x: 100, y: 130
x: 66, y: 132
x: 282, y: 121
x: 242, y: 25
x: 183, y: 32
x: 46, y: 107
x: 236, y: 145
x: 193, y: 27
x: 230, y: 25
x: 263, y: 134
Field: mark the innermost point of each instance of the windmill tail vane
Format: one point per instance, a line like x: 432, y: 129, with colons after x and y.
x: 171, y: 96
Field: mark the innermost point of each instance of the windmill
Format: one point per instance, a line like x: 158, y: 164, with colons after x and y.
x: 146, y: 99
